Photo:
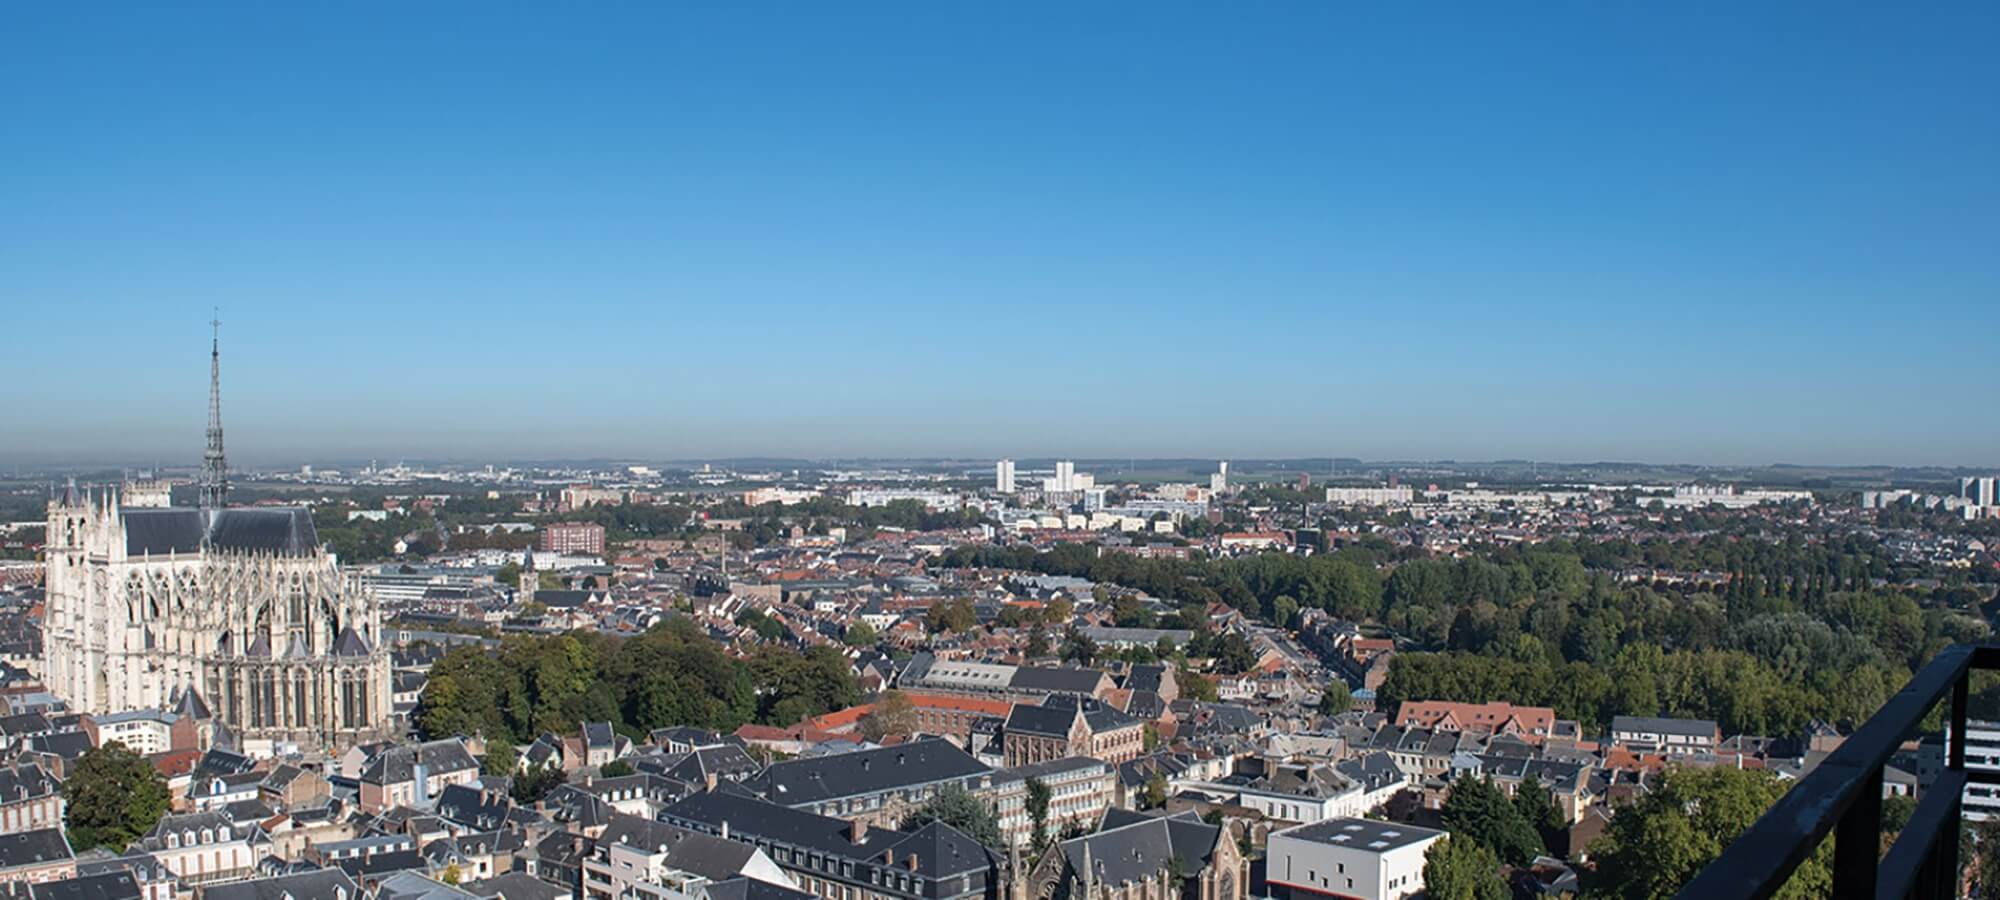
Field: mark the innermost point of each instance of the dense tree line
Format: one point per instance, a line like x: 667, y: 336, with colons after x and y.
x: 1797, y: 631
x: 672, y: 674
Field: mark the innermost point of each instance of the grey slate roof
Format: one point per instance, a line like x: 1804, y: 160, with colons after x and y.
x: 33, y: 848
x: 745, y: 888
x: 119, y: 885
x: 324, y: 884
x: 1062, y: 680
x: 1134, y: 846
x: 1040, y: 720
x: 398, y: 764
x: 26, y: 781
x: 690, y: 851
x: 802, y: 781
x: 515, y: 886
x: 287, y: 530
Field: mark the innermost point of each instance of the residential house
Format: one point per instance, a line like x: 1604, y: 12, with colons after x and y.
x: 30, y: 799
x: 415, y: 775
x: 35, y: 856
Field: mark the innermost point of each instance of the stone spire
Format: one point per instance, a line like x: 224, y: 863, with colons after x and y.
x: 214, y: 469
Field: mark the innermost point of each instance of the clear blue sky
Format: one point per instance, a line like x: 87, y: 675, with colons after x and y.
x: 1668, y: 232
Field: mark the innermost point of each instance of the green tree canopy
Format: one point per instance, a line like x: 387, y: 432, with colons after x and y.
x: 501, y: 759
x: 1658, y: 843
x: 111, y: 797
x: 1459, y: 868
x: 957, y: 807
x: 1335, y: 699
x: 1479, y: 811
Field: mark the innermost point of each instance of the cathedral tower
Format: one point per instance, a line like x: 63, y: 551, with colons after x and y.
x: 214, y: 469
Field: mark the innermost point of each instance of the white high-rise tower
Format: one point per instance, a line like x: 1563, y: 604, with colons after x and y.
x: 1003, y: 477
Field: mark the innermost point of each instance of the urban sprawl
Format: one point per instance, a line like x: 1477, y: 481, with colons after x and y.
x: 944, y: 680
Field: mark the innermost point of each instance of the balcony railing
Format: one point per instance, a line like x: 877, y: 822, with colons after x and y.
x: 1843, y: 796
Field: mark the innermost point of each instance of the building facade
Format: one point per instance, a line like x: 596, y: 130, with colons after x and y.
x: 582, y: 538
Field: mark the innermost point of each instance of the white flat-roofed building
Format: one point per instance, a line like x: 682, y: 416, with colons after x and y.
x: 934, y: 500
x: 1346, y: 857
x: 1370, y: 496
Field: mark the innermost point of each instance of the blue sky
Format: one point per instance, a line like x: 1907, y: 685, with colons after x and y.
x: 1667, y: 232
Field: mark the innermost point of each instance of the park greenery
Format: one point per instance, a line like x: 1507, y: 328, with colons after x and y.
x: 1788, y: 631
x: 672, y: 674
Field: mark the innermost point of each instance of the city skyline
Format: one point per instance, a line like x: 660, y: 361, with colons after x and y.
x: 1626, y: 235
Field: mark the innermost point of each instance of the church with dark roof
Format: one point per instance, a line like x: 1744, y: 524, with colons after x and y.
x: 237, y: 611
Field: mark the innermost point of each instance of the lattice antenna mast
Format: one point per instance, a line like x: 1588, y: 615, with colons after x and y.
x: 214, y: 469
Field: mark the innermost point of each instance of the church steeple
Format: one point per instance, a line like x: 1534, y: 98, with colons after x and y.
x: 214, y: 469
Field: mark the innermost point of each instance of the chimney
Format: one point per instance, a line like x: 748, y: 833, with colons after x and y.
x: 913, y: 862
x: 859, y: 831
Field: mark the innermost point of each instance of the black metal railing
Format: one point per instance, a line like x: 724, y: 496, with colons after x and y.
x: 1843, y: 796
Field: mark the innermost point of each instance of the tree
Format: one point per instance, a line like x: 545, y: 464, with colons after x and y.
x: 893, y: 714
x: 501, y: 759
x: 112, y: 797
x: 957, y: 807
x: 1156, y: 791
x: 1284, y: 610
x: 1538, y: 807
x: 860, y: 634
x: 509, y: 575
x: 450, y: 875
x: 1986, y: 844
x: 1233, y: 654
x: 1038, y: 642
x: 1657, y: 844
x: 616, y: 768
x: 952, y: 615
x: 1195, y: 686
x: 1078, y: 648
x: 1038, y: 812
x: 1479, y: 811
x: 1335, y: 698
x: 1459, y: 868
x: 531, y: 786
